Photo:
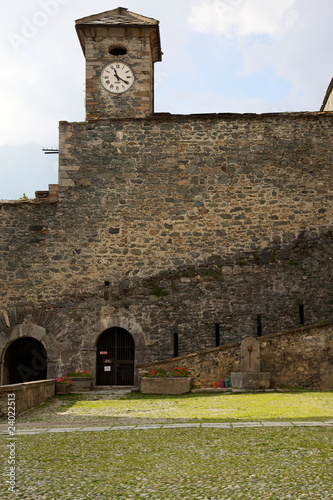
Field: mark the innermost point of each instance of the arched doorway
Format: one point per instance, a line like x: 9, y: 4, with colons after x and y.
x: 115, y: 358
x: 25, y: 360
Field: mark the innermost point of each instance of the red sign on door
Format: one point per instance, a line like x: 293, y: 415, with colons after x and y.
x: 103, y: 352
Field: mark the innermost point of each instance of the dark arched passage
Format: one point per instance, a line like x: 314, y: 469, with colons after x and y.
x: 25, y: 360
x: 115, y: 358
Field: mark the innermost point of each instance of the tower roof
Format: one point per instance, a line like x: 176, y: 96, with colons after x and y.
x: 119, y: 18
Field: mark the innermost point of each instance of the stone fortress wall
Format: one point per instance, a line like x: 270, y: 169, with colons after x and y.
x: 173, y: 224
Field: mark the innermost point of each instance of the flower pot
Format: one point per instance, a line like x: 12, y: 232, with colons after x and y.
x: 81, y: 383
x: 63, y: 388
x: 165, y: 385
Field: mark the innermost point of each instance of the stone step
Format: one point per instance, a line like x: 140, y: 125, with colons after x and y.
x: 210, y: 389
x: 230, y: 389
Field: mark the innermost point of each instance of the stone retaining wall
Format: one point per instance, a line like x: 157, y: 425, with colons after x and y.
x: 27, y: 395
x: 296, y: 358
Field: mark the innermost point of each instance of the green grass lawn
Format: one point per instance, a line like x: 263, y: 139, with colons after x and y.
x: 175, y: 464
x: 196, y: 407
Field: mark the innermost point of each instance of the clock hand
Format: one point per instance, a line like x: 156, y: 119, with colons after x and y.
x: 127, y: 83
x: 119, y: 78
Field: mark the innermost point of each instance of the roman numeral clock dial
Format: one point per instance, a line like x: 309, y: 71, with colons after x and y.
x: 117, y: 77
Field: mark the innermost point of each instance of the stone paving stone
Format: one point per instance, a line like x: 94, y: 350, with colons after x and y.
x: 309, y: 424
x: 217, y: 425
x: 30, y: 431
x: 246, y: 424
x: 64, y: 429
x: 277, y: 424
x: 94, y: 429
x: 184, y: 426
x: 123, y: 428
x: 153, y: 426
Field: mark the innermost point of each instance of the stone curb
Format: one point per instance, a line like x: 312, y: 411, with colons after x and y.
x: 218, y: 425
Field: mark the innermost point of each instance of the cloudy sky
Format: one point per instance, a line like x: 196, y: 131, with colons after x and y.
x: 219, y: 56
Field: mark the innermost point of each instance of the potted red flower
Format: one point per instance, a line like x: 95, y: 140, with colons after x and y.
x: 63, y: 385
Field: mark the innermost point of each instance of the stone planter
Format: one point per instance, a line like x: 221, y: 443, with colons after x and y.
x: 81, y: 383
x: 63, y: 388
x: 165, y: 385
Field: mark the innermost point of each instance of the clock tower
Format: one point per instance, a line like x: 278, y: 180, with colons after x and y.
x: 120, y: 48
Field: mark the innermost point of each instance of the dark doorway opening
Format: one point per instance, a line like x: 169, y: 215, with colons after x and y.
x: 25, y: 360
x: 115, y: 358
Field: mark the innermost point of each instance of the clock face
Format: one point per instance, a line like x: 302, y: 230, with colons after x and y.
x: 117, y: 77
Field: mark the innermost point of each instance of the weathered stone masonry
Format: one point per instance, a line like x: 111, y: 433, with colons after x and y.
x: 298, y: 358
x: 199, y: 225
x: 194, y: 220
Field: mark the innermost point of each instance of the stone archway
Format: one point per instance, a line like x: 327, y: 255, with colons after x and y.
x: 44, y: 340
x: 25, y: 360
x: 110, y: 322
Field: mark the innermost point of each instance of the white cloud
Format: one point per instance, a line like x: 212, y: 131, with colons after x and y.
x: 301, y: 55
x: 242, y: 17
x: 295, y: 47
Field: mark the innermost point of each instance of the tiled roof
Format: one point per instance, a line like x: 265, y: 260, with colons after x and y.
x: 120, y: 16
